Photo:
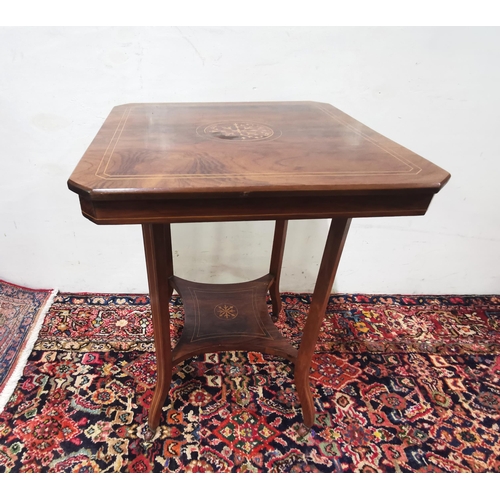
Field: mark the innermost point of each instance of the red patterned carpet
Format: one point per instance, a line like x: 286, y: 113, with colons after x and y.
x: 402, y: 384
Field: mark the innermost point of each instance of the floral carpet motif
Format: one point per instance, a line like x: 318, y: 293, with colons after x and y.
x: 21, y: 312
x: 401, y: 384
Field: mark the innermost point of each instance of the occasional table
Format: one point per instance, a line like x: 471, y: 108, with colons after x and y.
x: 158, y: 164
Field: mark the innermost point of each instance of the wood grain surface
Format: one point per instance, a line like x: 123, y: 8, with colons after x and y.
x: 160, y: 151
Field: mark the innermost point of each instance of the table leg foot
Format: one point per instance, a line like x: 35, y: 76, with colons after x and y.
x: 305, y: 395
x: 159, y: 397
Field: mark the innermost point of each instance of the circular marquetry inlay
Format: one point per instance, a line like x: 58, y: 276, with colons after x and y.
x: 226, y: 311
x: 238, y: 131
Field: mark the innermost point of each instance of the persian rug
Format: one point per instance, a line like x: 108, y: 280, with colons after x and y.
x: 21, y: 315
x: 401, y: 384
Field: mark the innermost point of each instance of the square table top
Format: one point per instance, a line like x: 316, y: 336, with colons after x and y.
x: 166, y: 151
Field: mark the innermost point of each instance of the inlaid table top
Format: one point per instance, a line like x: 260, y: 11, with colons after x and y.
x: 184, y: 150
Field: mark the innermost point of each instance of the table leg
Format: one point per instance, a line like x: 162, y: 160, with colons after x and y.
x: 275, y: 267
x: 326, y: 275
x: 158, y: 249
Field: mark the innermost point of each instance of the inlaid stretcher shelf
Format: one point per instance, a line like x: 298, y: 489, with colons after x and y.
x: 231, y: 317
x: 159, y: 164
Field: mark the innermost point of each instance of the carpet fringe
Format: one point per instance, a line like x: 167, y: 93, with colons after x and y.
x: 11, y: 384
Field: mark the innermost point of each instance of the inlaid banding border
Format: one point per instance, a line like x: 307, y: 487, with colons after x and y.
x: 102, y: 168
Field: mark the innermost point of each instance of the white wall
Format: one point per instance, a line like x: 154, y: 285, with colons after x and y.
x: 434, y: 90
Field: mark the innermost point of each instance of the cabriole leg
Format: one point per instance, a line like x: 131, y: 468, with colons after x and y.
x: 158, y: 249
x: 326, y: 275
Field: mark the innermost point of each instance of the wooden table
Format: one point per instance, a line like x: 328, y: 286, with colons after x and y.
x: 158, y: 164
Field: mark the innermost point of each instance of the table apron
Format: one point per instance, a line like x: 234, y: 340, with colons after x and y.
x: 253, y: 208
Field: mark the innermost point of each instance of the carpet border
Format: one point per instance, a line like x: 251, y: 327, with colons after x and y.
x: 29, y: 343
x: 26, y: 287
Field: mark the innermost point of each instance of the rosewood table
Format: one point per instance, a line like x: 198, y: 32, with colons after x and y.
x: 158, y: 164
